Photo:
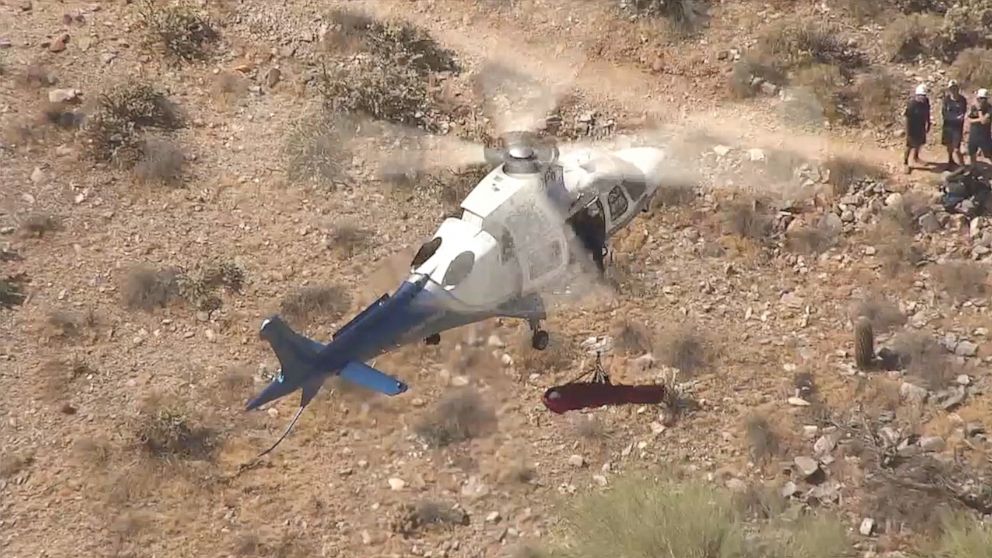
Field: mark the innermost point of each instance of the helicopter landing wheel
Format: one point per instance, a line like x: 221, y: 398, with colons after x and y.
x: 540, y: 340
x: 433, y: 339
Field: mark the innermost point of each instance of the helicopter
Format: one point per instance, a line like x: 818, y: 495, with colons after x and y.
x: 515, y: 239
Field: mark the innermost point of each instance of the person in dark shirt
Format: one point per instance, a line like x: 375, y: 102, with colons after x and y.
x: 980, y: 127
x: 917, y: 115
x: 953, y: 110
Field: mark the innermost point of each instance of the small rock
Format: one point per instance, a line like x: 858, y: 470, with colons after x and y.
x: 493, y: 517
x: 810, y: 431
x: 63, y: 95
x: 756, y: 154
x: 963, y: 380
x: 966, y: 349
x: 929, y: 223
x: 847, y: 216
x: 721, y: 150
x: 272, y: 77
x: 798, y: 402
x: 932, y: 443
x: 58, y: 44
x: 599, y: 479
x: 825, y: 445
x: 867, y: 526
x: 789, y: 489
x: 974, y: 429
x: 396, y: 484
x: 952, y: 398
x: 495, y: 341
x: 576, y: 460
x: 870, y: 251
x: 806, y: 465
x: 459, y: 381
x: 769, y: 88
x: 912, y: 393
x: 38, y: 175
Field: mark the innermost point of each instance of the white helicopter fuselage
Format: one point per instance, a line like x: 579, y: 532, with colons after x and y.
x: 513, y: 239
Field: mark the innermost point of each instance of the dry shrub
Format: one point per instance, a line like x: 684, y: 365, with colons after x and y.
x: 12, y: 291
x: 845, y: 173
x: 67, y: 325
x: 910, y: 36
x: 863, y: 10
x: 13, y: 463
x: 61, y: 116
x: 185, y: 34
x: 924, y: 359
x: 761, y: 502
x: 796, y: 43
x: 633, y: 337
x: 398, y: 41
x: 684, y: 348
x: 346, y: 239
x: 880, y: 95
x: 161, y: 162
x: 681, y: 15
x: 427, y: 514
x: 826, y: 84
x: 460, y: 416
x: 973, y: 67
x: 883, y: 314
x: 589, y: 427
x: 747, y: 219
x: 38, y: 224
x: 381, y: 89
x: 316, y: 302
x: 762, y: 439
x: 146, y: 288
x: 747, y: 74
x: 677, y: 191
x: 962, y: 279
x: 113, y: 133
x: 812, y: 239
x: 962, y: 536
x: 36, y: 75
x: 93, y: 453
x: 229, y: 87
x: 168, y: 429
x: 905, y: 214
x: 316, y: 149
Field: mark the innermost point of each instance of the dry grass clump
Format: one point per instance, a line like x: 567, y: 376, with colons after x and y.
x: 826, y: 84
x: 38, y: 224
x: 962, y: 279
x: 373, y: 86
x: 747, y: 73
x: 37, y: 75
x: 883, y: 314
x: 13, y: 463
x: 398, y: 41
x: 910, y: 36
x: 12, y: 291
x: 346, y: 239
x: 747, y: 219
x: 863, y: 10
x: 791, y: 44
x: 160, y: 162
x: 879, y: 95
x: 229, y: 87
x: 649, y: 517
x: 973, y: 67
x: 114, y: 131
x: 812, y: 239
x: 427, y: 514
x: 762, y: 439
x: 315, y: 302
x: 681, y: 15
x: 146, y: 288
x: 185, y: 34
x: 67, y: 325
x: 924, y: 359
x: 845, y: 173
x: 316, y: 149
x: 633, y: 337
x: 460, y: 416
x: 963, y: 537
x: 684, y: 348
x: 167, y: 429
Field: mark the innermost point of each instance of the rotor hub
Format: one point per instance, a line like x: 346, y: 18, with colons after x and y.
x: 521, y: 152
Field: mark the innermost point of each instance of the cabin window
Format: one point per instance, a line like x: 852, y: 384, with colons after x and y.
x: 426, y: 251
x: 617, y: 202
x: 458, y: 269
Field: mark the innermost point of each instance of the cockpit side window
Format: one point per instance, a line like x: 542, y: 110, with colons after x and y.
x: 506, y: 248
x: 458, y: 269
x: 426, y: 251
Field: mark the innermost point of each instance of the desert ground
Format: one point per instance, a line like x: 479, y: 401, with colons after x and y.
x: 173, y: 173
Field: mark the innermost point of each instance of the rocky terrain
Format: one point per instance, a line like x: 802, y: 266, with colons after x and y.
x: 173, y: 173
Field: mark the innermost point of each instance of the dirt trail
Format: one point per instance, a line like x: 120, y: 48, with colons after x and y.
x: 745, y: 125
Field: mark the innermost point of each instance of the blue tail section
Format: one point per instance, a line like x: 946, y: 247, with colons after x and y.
x: 297, y: 361
x: 370, y: 378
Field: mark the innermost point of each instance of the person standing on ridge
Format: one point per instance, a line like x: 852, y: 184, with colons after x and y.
x: 980, y: 128
x: 917, y: 115
x: 953, y: 110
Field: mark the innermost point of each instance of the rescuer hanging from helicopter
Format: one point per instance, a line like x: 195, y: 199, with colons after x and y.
x: 590, y: 227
